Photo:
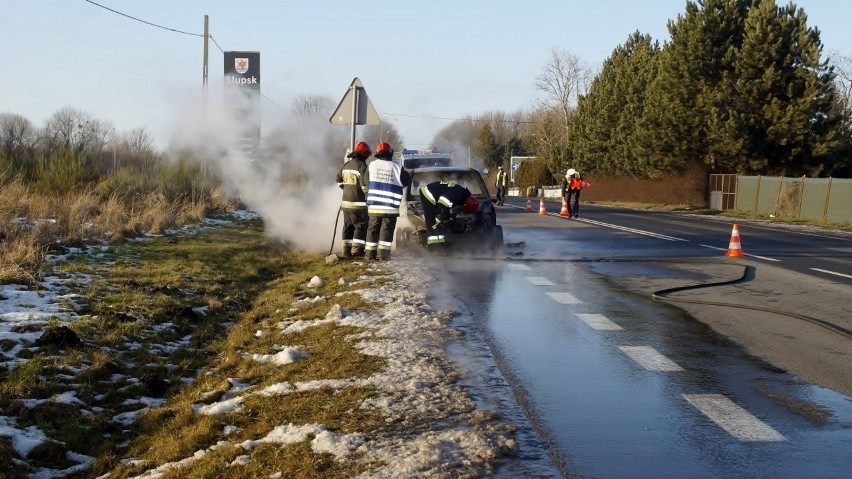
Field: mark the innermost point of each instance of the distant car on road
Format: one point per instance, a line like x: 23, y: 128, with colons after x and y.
x: 472, y: 232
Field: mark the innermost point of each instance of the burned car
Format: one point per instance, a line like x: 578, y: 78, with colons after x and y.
x: 468, y: 231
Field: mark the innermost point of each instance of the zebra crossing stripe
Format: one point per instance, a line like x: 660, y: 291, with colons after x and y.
x: 539, y: 280
x: 650, y: 359
x: 599, y: 322
x: 564, y: 298
x: 519, y: 267
x: 734, y: 419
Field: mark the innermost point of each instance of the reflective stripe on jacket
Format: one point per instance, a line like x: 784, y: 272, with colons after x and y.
x: 387, y: 180
x: 353, y: 178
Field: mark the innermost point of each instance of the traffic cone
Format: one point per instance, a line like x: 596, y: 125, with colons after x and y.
x: 529, y: 204
x: 734, y: 248
x: 564, y: 211
x: 541, y: 208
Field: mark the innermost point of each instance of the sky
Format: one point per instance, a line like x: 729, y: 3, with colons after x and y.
x: 422, y: 63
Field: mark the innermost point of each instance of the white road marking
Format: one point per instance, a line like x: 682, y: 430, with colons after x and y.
x: 832, y: 272
x: 599, y: 322
x: 632, y: 230
x: 746, y: 254
x: 519, y: 267
x: 539, y: 280
x: 564, y: 298
x: 650, y: 359
x: 734, y: 419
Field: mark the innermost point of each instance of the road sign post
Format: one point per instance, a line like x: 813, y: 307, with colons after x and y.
x: 355, y: 108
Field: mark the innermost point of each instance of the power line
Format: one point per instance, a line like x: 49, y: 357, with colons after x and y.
x: 146, y: 22
x: 269, y: 99
x: 217, y: 44
x: 459, y: 119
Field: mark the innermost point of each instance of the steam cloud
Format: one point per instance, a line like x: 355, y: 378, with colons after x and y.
x: 292, y: 182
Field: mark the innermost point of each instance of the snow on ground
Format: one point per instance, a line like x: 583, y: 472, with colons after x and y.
x: 419, y: 385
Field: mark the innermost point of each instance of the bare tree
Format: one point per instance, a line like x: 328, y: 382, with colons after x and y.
x: 76, y: 131
x: 17, y: 135
x: 386, y: 131
x: 562, y: 80
x: 139, y: 142
x: 312, y: 106
x: 843, y: 83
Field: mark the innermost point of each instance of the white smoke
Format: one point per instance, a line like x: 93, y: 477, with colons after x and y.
x: 291, y: 184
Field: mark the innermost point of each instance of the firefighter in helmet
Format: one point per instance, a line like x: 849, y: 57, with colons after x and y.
x: 384, y: 196
x: 353, y: 179
x: 571, y: 186
x: 441, y: 200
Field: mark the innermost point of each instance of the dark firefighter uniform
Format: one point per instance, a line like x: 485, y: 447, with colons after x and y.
x: 439, y: 198
x: 353, y: 179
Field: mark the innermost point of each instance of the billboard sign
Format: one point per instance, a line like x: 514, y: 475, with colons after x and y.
x: 242, y: 98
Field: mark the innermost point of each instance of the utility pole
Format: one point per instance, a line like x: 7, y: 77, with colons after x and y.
x: 204, y: 94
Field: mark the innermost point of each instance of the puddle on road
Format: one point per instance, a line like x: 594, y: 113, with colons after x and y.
x: 491, y: 391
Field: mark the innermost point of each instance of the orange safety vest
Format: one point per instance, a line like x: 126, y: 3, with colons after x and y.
x: 575, y: 184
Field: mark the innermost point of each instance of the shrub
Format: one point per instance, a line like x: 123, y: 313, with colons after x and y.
x: 533, y: 172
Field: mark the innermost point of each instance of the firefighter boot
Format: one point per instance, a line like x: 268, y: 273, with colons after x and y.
x: 347, y: 251
x: 384, y: 255
x: 370, y: 255
x: 357, y: 252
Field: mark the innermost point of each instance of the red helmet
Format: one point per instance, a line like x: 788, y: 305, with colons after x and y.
x: 363, y: 149
x: 471, y: 204
x: 384, y: 150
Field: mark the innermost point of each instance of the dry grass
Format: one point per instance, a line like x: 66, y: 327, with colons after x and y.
x: 21, y: 258
x: 31, y: 220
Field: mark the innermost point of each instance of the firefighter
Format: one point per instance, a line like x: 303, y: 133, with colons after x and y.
x: 502, y: 181
x: 353, y: 180
x: 571, y: 186
x: 384, y: 195
x: 441, y: 200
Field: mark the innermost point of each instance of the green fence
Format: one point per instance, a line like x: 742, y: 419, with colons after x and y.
x: 826, y: 199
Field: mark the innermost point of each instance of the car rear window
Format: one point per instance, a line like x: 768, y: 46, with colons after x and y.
x: 465, y: 178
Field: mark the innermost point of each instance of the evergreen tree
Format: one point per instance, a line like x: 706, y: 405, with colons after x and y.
x: 785, y: 95
x: 688, y: 97
x: 604, y: 134
x: 487, y: 147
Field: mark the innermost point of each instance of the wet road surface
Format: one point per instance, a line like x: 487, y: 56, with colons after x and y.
x: 621, y: 386
x: 615, y: 384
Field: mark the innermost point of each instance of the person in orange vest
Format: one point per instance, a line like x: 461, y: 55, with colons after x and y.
x: 571, y: 186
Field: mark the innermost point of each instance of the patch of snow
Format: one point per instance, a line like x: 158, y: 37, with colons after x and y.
x: 301, y: 302
x: 23, y: 440
x: 220, y: 407
x: 339, y: 445
x: 302, y: 325
x: 286, y: 356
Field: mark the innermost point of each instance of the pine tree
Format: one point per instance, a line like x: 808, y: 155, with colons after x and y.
x: 784, y: 96
x: 687, y: 101
x: 603, y: 136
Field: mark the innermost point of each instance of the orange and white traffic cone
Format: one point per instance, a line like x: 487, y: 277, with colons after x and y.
x: 564, y: 211
x: 529, y: 204
x: 541, y: 209
x: 734, y: 248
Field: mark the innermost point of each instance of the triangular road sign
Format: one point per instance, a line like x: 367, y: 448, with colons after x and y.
x: 364, y: 114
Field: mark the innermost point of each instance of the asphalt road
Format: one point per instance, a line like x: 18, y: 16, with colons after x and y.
x: 748, y: 379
